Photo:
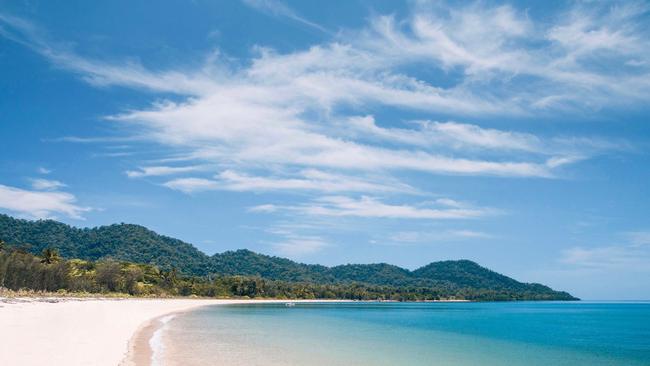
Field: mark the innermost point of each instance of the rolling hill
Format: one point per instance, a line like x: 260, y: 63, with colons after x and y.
x: 138, y: 244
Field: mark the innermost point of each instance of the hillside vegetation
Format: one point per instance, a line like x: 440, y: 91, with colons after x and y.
x: 133, y: 246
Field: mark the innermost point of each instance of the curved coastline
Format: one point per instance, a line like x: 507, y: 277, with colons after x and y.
x: 140, y: 351
x: 89, y: 331
x: 79, y: 331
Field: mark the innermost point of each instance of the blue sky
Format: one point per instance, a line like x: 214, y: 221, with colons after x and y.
x: 512, y: 134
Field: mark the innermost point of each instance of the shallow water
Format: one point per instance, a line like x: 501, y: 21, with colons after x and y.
x: 524, y: 333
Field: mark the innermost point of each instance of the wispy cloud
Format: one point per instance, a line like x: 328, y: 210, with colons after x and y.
x: 498, y: 45
x: 371, y: 207
x: 265, y: 208
x: 311, y: 179
x: 303, y: 120
x: 192, y: 185
x: 39, y: 204
x: 470, y: 234
x: 448, y: 134
x: 295, y: 239
x: 149, y: 171
x: 440, y: 236
x: 296, y: 246
x: 308, y: 180
x: 262, y: 114
x: 639, y: 238
x: 279, y: 9
x: 631, y: 253
x: 43, y: 170
x: 93, y: 140
x: 607, y: 257
x: 46, y: 184
x: 561, y: 64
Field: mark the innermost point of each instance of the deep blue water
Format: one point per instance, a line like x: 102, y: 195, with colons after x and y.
x: 518, y: 333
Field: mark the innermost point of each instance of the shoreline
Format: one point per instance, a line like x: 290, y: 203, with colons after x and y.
x: 91, y: 331
x: 140, y: 352
x: 79, y: 331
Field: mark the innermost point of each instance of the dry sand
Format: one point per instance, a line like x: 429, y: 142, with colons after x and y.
x: 84, y: 332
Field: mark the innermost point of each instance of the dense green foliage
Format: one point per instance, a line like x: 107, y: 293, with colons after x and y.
x: 21, y: 270
x: 234, y: 273
x: 120, y: 241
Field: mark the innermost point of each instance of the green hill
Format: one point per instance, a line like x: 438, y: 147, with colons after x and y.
x: 138, y: 244
x: 119, y: 241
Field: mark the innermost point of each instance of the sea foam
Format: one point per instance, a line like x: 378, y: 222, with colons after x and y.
x: 156, y: 342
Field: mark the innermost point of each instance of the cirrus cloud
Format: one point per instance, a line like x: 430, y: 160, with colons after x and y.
x: 372, y: 207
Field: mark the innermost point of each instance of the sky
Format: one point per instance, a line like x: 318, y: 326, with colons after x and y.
x: 512, y: 134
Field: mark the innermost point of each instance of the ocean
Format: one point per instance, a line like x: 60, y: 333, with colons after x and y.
x: 412, y: 334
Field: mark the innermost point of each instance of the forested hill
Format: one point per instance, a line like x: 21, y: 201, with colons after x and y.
x: 127, y: 242
x: 138, y: 244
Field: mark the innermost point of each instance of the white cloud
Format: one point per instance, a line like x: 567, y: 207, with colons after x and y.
x: 290, y: 121
x: 467, y: 135
x: 454, y: 37
x: 546, y: 65
x: 267, y: 208
x: 311, y: 179
x: 371, y: 207
x: 639, y: 238
x: 294, y: 240
x: 149, y: 171
x: 449, y: 134
x: 115, y: 155
x: 43, y: 170
x: 607, y: 257
x: 470, y: 234
x: 449, y: 202
x: 308, y: 179
x: 296, y: 246
x: 37, y: 204
x: 413, y: 237
x: 192, y: 185
x: 284, y: 138
x: 280, y: 9
x: 263, y: 113
x: 46, y: 184
x: 631, y: 254
x: 494, y: 47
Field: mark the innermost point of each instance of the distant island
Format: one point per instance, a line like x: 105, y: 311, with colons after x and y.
x: 47, y: 255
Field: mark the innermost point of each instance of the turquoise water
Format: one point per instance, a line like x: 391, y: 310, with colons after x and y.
x: 525, y: 333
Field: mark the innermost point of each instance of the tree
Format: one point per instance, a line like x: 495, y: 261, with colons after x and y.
x: 132, y: 275
x: 50, y: 256
x: 108, y: 274
x: 170, y: 278
x: 3, y: 245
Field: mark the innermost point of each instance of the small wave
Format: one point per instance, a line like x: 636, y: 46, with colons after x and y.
x: 156, y: 341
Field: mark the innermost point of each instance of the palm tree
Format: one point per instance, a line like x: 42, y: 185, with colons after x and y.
x: 50, y: 256
x: 170, y: 277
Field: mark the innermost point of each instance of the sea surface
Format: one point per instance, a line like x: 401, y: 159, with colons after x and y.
x: 410, y: 334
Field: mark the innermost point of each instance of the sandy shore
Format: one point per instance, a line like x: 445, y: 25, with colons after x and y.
x: 85, y: 332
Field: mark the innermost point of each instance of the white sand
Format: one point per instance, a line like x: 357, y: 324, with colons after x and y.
x: 88, y: 332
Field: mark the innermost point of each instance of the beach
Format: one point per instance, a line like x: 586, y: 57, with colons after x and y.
x: 100, y: 332
x: 128, y: 332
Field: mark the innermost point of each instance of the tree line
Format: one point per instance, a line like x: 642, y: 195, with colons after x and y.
x: 21, y: 270
x: 246, y: 273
